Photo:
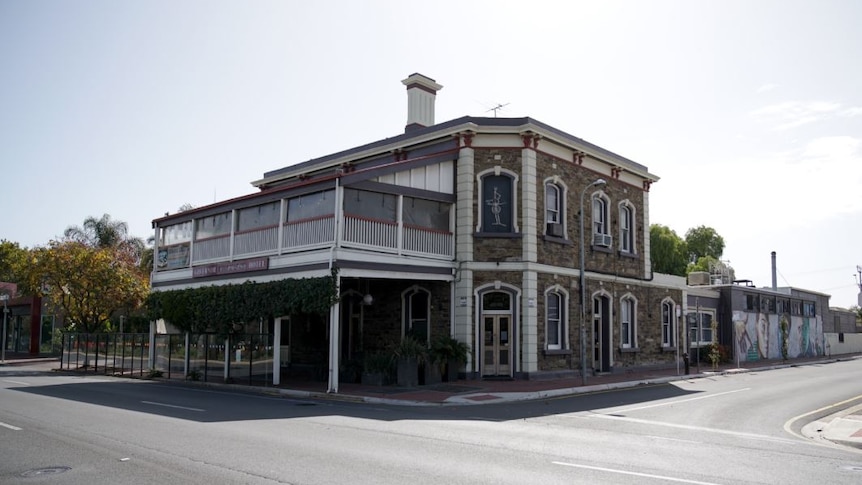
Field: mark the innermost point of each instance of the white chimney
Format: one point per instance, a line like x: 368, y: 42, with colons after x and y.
x: 421, y: 93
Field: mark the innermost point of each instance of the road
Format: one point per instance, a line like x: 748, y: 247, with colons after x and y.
x: 738, y: 429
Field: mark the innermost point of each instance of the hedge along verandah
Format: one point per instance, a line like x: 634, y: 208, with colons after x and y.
x: 217, y: 308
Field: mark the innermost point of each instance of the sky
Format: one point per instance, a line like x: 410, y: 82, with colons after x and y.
x: 750, y: 112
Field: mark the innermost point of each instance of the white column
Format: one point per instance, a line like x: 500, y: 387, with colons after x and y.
x: 529, y: 323
x: 529, y: 197
x: 333, y: 348
x: 463, y: 315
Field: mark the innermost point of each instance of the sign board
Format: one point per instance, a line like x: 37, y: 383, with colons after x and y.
x: 243, y: 266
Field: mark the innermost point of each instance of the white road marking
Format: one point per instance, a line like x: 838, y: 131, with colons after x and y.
x: 636, y: 474
x: 698, y: 398
x: 740, y: 434
x: 173, y: 406
x: 16, y: 382
x: 676, y: 439
x: 13, y: 428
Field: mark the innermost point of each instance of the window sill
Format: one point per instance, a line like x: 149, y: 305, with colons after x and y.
x: 558, y: 351
x: 668, y: 349
x: 626, y: 254
x: 629, y: 350
x: 558, y: 240
x: 601, y: 249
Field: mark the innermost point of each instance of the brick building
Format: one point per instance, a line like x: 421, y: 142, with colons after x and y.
x: 467, y: 228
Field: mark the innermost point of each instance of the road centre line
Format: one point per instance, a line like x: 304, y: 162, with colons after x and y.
x: 740, y: 434
x: 13, y: 428
x: 678, y: 401
x: 16, y: 382
x: 173, y: 406
x: 636, y: 474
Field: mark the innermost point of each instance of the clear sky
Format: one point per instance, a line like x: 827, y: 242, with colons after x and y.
x: 749, y: 111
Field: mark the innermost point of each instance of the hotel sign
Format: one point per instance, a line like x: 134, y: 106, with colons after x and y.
x: 218, y: 269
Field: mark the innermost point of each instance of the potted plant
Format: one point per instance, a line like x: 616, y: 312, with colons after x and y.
x: 376, y: 368
x: 408, y: 355
x: 449, y: 354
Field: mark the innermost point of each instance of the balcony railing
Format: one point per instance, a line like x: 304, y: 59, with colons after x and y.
x: 358, y: 232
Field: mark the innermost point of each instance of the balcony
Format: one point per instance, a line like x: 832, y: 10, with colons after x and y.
x: 313, y: 233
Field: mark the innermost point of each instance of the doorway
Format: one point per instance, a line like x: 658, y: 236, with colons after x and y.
x: 497, y: 334
x: 602, y: 333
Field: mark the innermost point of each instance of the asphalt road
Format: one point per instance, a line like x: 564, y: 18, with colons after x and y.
x: 725, y: 430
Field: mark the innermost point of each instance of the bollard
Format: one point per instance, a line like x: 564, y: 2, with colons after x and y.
x: 685, y: 361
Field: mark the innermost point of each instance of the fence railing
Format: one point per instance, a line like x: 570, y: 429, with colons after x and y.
x: 243, y: 358
x: 106, y: 353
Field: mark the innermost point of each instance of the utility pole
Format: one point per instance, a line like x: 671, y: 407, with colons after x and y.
x: 5, y: 318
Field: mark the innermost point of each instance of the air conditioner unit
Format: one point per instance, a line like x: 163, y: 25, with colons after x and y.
x: 602, y: 240
x: 555, y: 229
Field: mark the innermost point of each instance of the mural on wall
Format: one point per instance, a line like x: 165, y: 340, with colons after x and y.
x: 758, y: 336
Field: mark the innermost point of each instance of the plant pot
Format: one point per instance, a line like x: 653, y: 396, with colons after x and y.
x: 408, y: 372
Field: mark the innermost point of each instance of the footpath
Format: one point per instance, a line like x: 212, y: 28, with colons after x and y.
x: 843, y: 427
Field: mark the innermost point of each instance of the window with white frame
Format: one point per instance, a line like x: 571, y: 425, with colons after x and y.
x: 627, y: 224
x: 667, y: 324
x: 700, y: 327
x: 416, y: 304
x: 555, y: 319
x: 628, y: 329
x: 601, y: 226
x: 554, y: 214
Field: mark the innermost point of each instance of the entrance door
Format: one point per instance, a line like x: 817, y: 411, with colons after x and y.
x: 602, y: 333
x: 497, y: 332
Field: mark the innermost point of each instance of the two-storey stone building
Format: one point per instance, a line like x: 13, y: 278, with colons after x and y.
x: 468, y: 228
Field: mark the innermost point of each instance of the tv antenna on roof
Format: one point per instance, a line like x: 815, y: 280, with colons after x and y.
x: 497, y: 107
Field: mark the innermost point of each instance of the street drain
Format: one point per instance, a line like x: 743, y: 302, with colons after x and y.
x: 51, y: 470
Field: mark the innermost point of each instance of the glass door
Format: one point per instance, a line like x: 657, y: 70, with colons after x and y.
x: 495, y: 345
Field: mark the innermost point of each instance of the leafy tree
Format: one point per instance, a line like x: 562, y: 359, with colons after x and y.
x: 87, y: 284
x: 668, y: 251
x: 12, y: 261
x: 703, y: 241
x: 106, y: 233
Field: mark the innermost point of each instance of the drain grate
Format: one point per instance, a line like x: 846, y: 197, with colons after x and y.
x: 51, y: 470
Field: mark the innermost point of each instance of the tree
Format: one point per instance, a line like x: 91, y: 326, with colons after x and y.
x: 668, y: 251
x: 87, y: 284
x: 106, y: 233
x: 12, y: 261
x: 703, y: 241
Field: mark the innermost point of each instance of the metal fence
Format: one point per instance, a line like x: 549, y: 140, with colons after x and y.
x: 241, y: 358
x: 107, y: 353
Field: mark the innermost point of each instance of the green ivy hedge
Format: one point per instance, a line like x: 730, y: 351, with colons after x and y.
x: 217, y: 308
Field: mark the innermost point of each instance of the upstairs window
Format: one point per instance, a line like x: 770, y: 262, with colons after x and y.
x: 371, y: 205
x: 258, y: 217
x: 554, y: 215
x: 627, y: 238
x: 427, y: 214
x: 310, y: 206
x: 497, y: 203
x: 601, y: 226
x: 808, y: 309
x: 212, y: 226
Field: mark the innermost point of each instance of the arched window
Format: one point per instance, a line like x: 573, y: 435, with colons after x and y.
x: 627, y: 228
x: 497, y: 202
x: 668, y: 327
x: 556, y: 319
x: 628, y: 322
x: 555, y: 197
x: 416, y: 304
x: 601, y: 221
